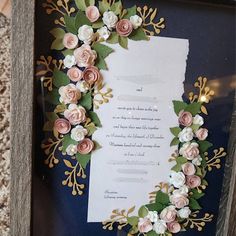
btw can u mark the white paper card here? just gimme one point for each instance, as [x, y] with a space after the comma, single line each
[135, 136]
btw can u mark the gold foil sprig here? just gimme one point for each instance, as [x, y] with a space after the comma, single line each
[214, 162]
[100, 96]
[164, 187]
[149, 16]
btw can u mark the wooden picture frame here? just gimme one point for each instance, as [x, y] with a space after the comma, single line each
[22, 131]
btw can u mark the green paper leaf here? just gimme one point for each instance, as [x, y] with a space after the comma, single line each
[198, 171]
[177, 168]
[152, 233]
[133, 220]
[70, 24]
[155, 207]
[91, 128]
[138, 34]
[58, 33]
[130, 12]
[53, 97]
[97, 25]
[179, 106]
[162, 198]
[94, 118]
[48, 126]
[113, 39]
[100, 63]
[142, 212]
[97, 145]
[57, 44]
[117, 7]
[86, 101]
[195, 127]
[194, 205]
[102, 50]
[175, 131]
[60, 78]
[51, 116]
[196, 195]
[204, 146]
[67, 52]
[194, 108]
[103, 6]
[90, 2]
[181, 160]
[80, 20]
[67, 140]
[83, 159]
[174, 142]
[204, 182]
[81, 4]
[123, 41]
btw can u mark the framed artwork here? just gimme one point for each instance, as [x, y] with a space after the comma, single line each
[123, 118]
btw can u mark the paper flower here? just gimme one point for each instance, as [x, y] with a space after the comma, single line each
[189, 150]
[124, 27]
[75, 114]
[201, 134]
[78, 133]
[62, 126]
[69, 61]
[188, 168]
[198, 120]
[110, 19]
[75, 74]
[160, 227]
[185, 118]
[70, 41]
[174, 227]
[184, 212]
[168, 214]
[85, 146]
[144, 225]
[69, 94]
[177, 179]
[193, 181]
[71, 150]
[92, 13]
[86, 34]
[136, 21]
[103, 33]
[186, 135]
[91, 75]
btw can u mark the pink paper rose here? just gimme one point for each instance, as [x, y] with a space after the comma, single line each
[202, 134]
[70, 41]
[188, 168]
[185, 118]
[75, 74]
[179, 200]
[92, 13]
[85, 56]
[168, 214]
[174, 227]
[85, 146]
[124, 27]
[92, 75]
[144, 225]
[69, 94]
[189, 150]
[62, 126]
[193, 181]
[75, 114]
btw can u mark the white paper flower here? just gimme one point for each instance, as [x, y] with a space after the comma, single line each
[152, 216]
[189, 150]
[198, 120]
[186, 135]
[78, 133]
[177, 179]
[71, 150]
[83, 86]
[197, 161]
[184, 213]
[104, 33]
[86, 34]
[136, 21]
[183, 190]
[69, 61]
[160, 227]
[110, 19]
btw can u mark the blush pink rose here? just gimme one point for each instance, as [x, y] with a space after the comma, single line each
[85, 56]
[70, 41]
[144, 225]
[179, 200]
[189, 150]
[124, 27]
[202, 134]
[62, 126]
[174, 227]
[188, 168]
[91, 75]
[85, 146]
[92, 13]
[168, 214]
[193, 181]
[75, 74]
[69, 94]
[185, 118]
[75, 114]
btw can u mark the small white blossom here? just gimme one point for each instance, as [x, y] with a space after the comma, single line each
[197, 161]
[152, 216]
[183, 190]
[69, 61]
[160, 227]
[86, 34]
[104, 33]
[136, 21]
[110, 19]
[177, 179]
[78, 133]
[186, 135]
[198, 120]
[83, 86]
[184, 213]
[71, 150]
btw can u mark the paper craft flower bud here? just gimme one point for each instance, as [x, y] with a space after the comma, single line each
[185, 118]
[193, 181]
[189, 150]
[91, 75]
[75, 114]
[168, 214]
[85, 56]
[85, 146]
[179, 200]
[92, 13]
[62, 126]
[78, 133]
[124, 27]
[110, 19]
[160, 227]
[71, 150]
[174, 227]
[75, 74]
[188, 168]
[198, 120]
[197, 161]
[69, 94]
[144, 225]
[86, 34]
[184, 213]
[104, 33]
[202, 134]
[136, 21]
[70, 41]
[69, 61]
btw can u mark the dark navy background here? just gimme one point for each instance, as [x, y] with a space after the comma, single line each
[211, 34]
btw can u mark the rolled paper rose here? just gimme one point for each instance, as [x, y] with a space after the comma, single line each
[70, 41]
[85, 56]
[75, 114]
[62, 126]
[174, 227]
[179, 200]
[124, 27]
[177, 179]
[198, 120]
[202, 134]
[188, 168]
[75, 74]
[110, 19]
[91, 75]
[160, 227]
[92, 13]
[193, 181]
[69, 94]
[144, 225]
[86, 34]
[189, 150]
[78, 133]
[168, 214]
[184, 213]
[152, 216]
[85, 146]
[186, 135]
[185, 118]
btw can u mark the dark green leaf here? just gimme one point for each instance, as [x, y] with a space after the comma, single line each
[194, 108]
[117, 7]
[51, 116]
[113, 39]
[97, 145]
[70, 24]
[174, 142]
[204, 182]
[204, 145]
[86, 101]
[142, 212]
[57, 44]
[90, 2]
[162, 198]
[67, 140]
[91, 128]
[198, 171]
[133, 220]
[100, 63]
[83, 159]
[94, 118]
[130, 12]
[60, 78]
[98, 24]
[195, 127]
[138, 34]
[181, 160]
[177, 168]
[102, 50]
[53, 97]
[81, 4]
[58, 33]
[194, 205]
[67, 52]
[103, 6]
[196, 195]
[179, 106]
[80, 20]
[175, 131]
[48, 126]
[123, 41]
[152, 233]
[155, 207]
